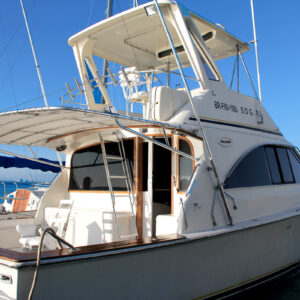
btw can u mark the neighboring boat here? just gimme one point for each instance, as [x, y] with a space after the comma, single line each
[198, 197]
[21, 200]
[24, 199]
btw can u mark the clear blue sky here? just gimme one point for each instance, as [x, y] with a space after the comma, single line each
[53, 22]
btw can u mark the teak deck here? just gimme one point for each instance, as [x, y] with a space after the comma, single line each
[16, 256]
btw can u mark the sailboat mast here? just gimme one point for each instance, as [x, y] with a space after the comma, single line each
[256, 54]
[34, 56]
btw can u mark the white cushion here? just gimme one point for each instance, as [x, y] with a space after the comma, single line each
[166, 102]
[27, 230]
[30, 242]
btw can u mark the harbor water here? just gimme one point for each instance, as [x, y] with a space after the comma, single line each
[286, 287]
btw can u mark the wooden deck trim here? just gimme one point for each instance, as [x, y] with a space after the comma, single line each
[16, 256]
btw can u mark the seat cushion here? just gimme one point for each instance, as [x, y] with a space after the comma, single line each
[29, 230]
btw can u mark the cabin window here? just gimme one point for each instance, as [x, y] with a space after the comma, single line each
[88, 172]
[252, 170]
[265, 165]
[185, 165]
[273, 165]
[285, 165]
[210, 75]
[295, 162]
[209, 69]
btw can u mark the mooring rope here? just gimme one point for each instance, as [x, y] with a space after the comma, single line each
[60, 241]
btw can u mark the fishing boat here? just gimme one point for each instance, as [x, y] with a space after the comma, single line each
[195, 197]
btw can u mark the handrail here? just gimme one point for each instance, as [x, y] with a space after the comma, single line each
[4, 189]
[145, 137]
[79, 88]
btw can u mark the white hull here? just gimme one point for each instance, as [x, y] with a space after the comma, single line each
[185, 270]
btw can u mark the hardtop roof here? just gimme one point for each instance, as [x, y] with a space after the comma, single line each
[132, 38]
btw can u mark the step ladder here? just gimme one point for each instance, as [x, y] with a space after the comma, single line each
[125, 176]
[62, 216]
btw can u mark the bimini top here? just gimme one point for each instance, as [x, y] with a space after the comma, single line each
[46, 126]
[134, 38]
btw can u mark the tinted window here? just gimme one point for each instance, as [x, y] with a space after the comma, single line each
[295, 162]
[273, 166]
[252, 170]
[285, 165]
[185, 165]
[208, 68]
[87, 167]
[210, 75]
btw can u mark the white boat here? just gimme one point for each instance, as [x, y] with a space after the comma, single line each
[22, 200]
[25, 199]
[198, 197]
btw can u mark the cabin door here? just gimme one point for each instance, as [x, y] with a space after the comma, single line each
[161, 182]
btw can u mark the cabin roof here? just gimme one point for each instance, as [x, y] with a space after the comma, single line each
[45, 126]
[133, 38]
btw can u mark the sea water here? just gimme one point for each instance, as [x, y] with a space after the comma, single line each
[286, 287]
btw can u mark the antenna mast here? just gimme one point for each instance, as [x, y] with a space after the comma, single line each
[255, 44]
[34, 56]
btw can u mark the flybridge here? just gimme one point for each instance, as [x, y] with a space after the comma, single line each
[134, 38]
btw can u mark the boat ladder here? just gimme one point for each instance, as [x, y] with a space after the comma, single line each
[125, 176]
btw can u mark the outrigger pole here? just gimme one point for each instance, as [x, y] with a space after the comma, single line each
[34, 56]
[256, 54]
[105, 62]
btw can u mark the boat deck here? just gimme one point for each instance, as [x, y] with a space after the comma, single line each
[17, 215]
[99, 249]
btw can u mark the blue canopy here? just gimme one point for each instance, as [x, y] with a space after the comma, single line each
[16, 162]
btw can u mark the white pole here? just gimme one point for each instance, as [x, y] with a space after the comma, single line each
[34, 56]
[255, 44]
[105, 62]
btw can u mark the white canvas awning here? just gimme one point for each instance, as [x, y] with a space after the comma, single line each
[40, 126]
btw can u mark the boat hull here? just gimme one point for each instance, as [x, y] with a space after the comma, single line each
[191, 269]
